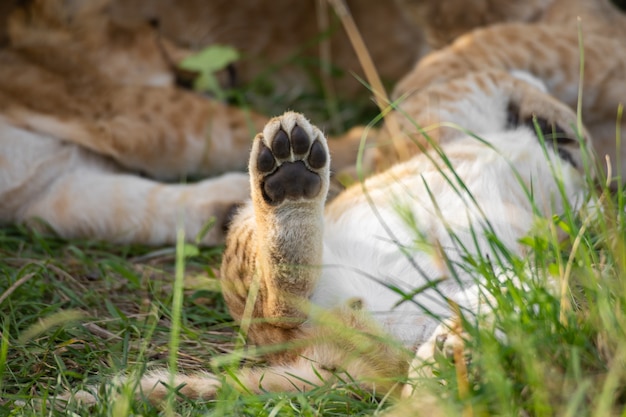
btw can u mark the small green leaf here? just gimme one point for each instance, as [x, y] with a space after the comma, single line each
[554, 269]
[207, 62]
[212, 58]
[206, 82]
[563, 226]
[190, 250]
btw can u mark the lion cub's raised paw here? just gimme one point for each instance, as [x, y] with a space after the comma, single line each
[289, 179]
[289, 162]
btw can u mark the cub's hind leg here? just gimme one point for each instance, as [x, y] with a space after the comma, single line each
[274, 248]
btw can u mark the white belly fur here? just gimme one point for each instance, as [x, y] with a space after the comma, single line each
[362, 255]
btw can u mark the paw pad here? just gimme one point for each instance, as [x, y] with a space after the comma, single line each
[265, 161]
[280, 145]
[290, 164]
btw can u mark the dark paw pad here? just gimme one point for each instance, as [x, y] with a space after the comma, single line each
[289, 164]
[292, 180]
[299, 140]
[280, 145]
[317, 157]
[265, 160]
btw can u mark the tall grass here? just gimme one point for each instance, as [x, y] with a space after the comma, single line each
[554, 343]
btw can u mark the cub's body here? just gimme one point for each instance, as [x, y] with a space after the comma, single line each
[417, 224]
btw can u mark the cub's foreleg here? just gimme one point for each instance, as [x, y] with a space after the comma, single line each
[89, 203]
[274, 248]
[483, 102]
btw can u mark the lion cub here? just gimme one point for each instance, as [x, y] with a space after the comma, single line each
[323, 280]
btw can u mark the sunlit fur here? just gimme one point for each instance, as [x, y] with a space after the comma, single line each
[91, 123]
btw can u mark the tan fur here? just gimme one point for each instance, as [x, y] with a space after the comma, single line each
[77, 79]
[546, 46]
[444, 21]
[86, 104]
[428, 107]
[77, 85]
